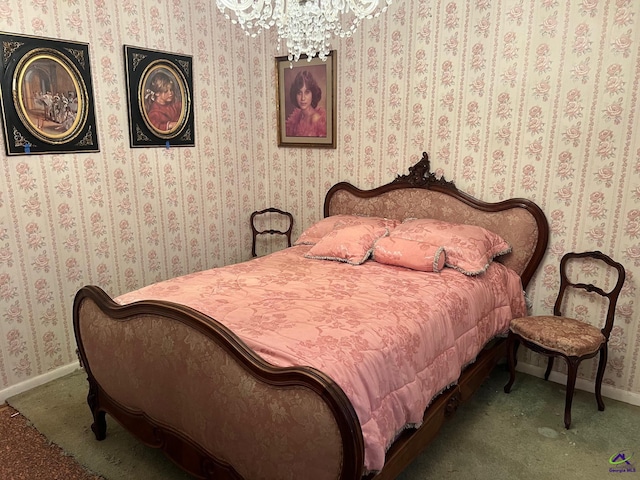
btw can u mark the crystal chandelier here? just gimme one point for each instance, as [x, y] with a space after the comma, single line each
[305, 25]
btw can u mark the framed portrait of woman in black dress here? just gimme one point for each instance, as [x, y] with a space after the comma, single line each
[306, 102]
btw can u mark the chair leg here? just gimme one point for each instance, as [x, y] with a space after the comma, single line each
[601, 367]
[572, 364]
[549, 367]
[512, 358]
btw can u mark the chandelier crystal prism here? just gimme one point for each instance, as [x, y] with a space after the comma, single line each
[306, 26]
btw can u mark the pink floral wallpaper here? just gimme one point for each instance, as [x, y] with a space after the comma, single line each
[535, 99]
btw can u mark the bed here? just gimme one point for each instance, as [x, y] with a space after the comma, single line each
[295, 365]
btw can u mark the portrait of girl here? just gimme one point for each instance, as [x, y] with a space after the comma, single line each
[163, 101]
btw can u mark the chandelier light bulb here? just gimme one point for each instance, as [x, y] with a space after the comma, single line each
[305, 26]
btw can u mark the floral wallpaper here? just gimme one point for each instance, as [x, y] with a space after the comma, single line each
[510, 98]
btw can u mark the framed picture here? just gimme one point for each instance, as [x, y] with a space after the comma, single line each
[306, 102]
[47, 96]
[160, 87]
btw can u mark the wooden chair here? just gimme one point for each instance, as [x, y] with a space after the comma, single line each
[256, 232]
[570, 338]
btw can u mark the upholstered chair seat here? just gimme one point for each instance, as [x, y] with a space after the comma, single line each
[560, 334]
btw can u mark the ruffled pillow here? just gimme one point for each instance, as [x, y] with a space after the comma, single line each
[409, 254]
[351, 245]
[469, 248]
[315, 232]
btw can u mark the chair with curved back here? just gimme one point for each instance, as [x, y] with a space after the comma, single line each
[571, 338]
[287, 217]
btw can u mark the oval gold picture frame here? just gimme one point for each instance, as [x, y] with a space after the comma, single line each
[50, 96]
[163, 99]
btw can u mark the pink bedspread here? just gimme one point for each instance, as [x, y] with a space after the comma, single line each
[391, 337]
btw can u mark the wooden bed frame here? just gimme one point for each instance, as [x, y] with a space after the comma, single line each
[161, 423]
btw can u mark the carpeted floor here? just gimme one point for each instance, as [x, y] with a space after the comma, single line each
[494, 436]
[521, 435]
[26, 454]
[60, 412]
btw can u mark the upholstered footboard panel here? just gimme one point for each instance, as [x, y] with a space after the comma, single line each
[184, 380]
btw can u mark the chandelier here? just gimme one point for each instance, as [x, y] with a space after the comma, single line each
[306, 26]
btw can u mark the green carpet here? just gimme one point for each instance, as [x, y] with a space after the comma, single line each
[60, 412]
[494, 436]
[521, 435]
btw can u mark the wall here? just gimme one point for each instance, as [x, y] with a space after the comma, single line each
[510, 98]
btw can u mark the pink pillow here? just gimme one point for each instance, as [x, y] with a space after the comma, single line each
[352, 245]
[409, 254]
[315, 232]
[469, 248]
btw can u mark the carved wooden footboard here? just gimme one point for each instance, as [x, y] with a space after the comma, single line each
[182, 382]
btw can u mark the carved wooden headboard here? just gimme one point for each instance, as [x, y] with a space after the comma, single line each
[419, 194]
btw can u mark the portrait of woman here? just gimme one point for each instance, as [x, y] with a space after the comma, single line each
[163, 101]
[308, 119]
[306, 102]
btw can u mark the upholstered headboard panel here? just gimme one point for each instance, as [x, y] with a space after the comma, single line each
[420, 195]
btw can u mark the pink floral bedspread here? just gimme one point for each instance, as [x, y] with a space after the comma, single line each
[391, 337]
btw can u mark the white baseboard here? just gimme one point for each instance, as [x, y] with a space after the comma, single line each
[581, 384]
[37, 381]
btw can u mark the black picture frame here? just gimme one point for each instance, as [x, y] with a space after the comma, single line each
[47, 96]
[323, 74]
[156, 120]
